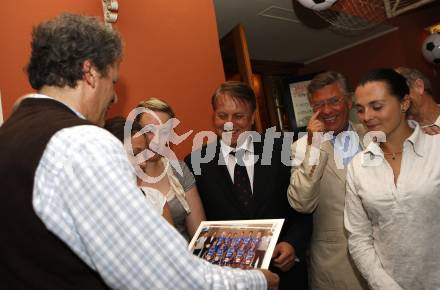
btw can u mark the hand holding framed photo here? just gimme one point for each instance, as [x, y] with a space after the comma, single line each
[244, 244]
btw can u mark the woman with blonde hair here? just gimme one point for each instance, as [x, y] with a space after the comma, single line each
[138, 143]
[178, 187]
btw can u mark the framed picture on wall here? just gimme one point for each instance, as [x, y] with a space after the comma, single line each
[296, 101]
[244, 244]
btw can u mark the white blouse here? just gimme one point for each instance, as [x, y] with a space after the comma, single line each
[155, 198]
[394, 229]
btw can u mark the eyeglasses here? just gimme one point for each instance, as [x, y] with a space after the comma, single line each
[333, 102]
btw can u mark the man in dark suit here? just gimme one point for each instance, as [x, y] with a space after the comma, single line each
[246, 179]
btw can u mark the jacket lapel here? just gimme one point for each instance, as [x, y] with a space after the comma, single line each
[327, 146]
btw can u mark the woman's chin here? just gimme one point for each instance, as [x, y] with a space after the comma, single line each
[155, 157]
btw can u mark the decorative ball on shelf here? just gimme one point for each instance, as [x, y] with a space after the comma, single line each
[317, 5]
[431, 48]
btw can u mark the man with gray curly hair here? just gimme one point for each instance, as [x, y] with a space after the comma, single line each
[423, 107]
[71, 214]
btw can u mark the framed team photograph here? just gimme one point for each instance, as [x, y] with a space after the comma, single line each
[244, 244]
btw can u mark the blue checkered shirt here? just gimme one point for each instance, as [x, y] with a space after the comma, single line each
[85, 193]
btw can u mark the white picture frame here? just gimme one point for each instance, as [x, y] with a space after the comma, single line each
[244, 244]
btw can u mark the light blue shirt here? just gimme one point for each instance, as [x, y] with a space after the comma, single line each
[342, 146]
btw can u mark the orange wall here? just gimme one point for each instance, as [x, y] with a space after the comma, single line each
[171, 52]
[399, 48]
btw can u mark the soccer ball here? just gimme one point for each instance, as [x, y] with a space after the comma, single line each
[431, 48]
[317, 5]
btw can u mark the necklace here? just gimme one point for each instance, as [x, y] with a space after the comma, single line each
[393, 154]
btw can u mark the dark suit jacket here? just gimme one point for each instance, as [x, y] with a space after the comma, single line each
[269, 200]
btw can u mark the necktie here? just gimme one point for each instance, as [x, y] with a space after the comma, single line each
[342, 147]
[242, 183]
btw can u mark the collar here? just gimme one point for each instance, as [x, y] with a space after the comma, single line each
[347, 129]
[41, 96]
[437, 122]
[414, 141]
[247, 145]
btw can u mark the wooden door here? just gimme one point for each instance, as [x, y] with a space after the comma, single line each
[235, 55]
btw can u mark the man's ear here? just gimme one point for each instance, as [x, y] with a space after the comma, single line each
[89, 73]
[405, 103]
[419, 86]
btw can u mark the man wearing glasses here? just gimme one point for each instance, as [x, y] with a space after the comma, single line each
[317, 185]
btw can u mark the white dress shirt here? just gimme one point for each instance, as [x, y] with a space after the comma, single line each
[394, 229]
[154, 197]
[85, 193]
[248, 158]
[436, 123]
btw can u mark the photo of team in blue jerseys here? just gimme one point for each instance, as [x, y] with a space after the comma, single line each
[237, 248]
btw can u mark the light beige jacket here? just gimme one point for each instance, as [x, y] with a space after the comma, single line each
[320, 189]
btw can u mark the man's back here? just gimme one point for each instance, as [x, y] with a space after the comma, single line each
[34, 258]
